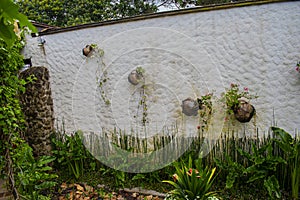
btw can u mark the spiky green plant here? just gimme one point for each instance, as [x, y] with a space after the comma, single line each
[192, 183]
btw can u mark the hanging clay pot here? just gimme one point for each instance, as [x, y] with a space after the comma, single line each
[134, 77]
[87, 50]
[190, 107]
[245, 111]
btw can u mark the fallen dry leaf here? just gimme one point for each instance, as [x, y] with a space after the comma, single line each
[64, 186]
[134, 195]
[61, 198]
[149, 197]
[79, 187]
[88, 188]
[71, 195]
[79, 192]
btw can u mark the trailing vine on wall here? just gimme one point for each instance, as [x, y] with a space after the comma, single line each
[93, 51]
[102, 80]
[143, 104]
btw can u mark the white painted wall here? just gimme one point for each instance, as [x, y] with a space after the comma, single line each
[184, 56]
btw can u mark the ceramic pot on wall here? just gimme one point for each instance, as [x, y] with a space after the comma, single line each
[134, 77]
[86, 51]
[245, 111]
[190, 107]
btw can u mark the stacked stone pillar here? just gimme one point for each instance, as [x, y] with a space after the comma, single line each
[37, 105]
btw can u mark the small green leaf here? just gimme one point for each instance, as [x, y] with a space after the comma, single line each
[272, 186]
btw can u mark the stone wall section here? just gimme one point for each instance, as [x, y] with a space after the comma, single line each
[37, 105]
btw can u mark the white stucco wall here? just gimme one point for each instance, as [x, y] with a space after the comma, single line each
[184, 56]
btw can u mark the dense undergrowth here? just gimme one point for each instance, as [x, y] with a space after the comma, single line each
[245, 168]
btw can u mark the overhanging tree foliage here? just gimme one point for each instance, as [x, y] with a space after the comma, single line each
[8, 16]
[74, 12]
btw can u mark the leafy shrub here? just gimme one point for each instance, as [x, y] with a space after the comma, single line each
[291, 149]
[71, 154]
[261, 168]
[33, 174]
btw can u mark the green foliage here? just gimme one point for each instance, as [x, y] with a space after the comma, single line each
[8, 15]
[253, 165]
[74, 12]
[192, 183]
[71, 154]
[18, 163]
[33, 174]
[25, 174]
[263, 164]
[140, 70]
[291, 149]
[10, 110]
[11, 118]
[234, 170]
[232, 162]
[118, 176]
[272, 186]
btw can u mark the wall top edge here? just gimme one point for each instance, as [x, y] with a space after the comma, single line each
[55, 30]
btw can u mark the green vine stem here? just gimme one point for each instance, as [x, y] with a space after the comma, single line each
[101, 80]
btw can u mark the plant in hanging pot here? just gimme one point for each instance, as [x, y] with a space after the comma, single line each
[238, 103]
[86, 51]
[136, 76]
[90, 48]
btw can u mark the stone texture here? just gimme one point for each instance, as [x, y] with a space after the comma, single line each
[184, 56]
[37, 106]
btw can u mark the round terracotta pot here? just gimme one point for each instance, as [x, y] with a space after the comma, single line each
[190, 107]
[244, 112]
[134, 78]
[87, 50]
